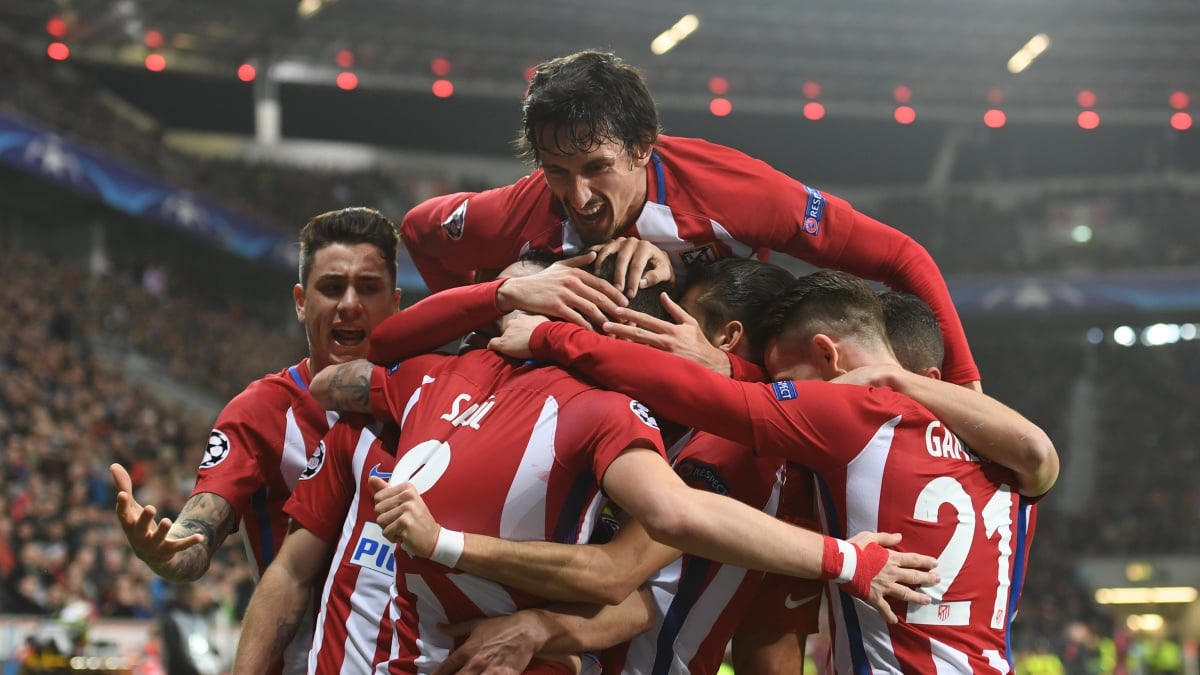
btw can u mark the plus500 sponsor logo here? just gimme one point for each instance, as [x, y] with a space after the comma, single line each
[373, 551]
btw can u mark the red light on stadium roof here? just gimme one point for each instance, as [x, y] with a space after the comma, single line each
[814, 111]
[1088, 119]
[995, 96]
[443, 88]
[56, 26]
[344, 58]
[153, 39]
[902, 94]
[1179, 100]
[246, 72]
[155, 63]
[905, 114]
[720, 107]
[718, 85]
[347, 81]
[58, 51]
[811, 89]
[994, 118]
[1086, 99]
[440, 67]
[1181, 121]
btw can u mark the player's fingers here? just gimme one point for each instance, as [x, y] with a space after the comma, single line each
[121, 478]
[452, 664]
[884, 609]
[187, 542]
[621, 277]
[460, 629]
[376, 483]
[581, 260]
[160, 533]
[643, 320]
[146, 519]
[634, 334]
[635, 269]
[915, 561]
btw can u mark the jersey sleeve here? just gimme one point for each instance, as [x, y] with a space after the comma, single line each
[826, 231]
[242, 448]
[674, 387]
[426, 230]
[325, 491]
[393, 389]
[608, 424]
[434, 321]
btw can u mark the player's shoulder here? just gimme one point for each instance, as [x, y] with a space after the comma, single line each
[270, 394]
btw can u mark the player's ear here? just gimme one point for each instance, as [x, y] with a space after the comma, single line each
[396, 299]
[932, 372]
[298, 295]
[827, 356]
[730, 336]
[641, 154]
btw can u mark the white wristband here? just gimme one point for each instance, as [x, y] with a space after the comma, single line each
[849, 561]
[448, 548]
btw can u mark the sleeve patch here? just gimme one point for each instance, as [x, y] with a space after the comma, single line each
[453, 225]
[217, 450]
[643, 414]
[315, 462]
[814, 211]
[704, 476]
[785, 390]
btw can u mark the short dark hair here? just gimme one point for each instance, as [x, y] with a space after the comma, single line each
[828, 301]
[353, 225]
[594, 97]
[648, 300]
[913, 331]
[737, 289]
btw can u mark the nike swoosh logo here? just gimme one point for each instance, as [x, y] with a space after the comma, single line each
[376, 472]
[789, 603]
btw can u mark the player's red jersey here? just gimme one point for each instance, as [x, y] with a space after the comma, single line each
[886, 464]
[333, 501]
[704, 201]
[258, 448]
[496, 448]
[699, 603]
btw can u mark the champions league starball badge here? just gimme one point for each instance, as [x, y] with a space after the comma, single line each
[217, 450]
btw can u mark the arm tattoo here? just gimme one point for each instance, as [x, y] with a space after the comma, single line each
[285, 631]
[206, 514]
[350, 387]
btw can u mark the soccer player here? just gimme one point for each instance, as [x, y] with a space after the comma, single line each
[262, 441]
[912, 330]
[885, 462]
[603, 170]
[333, 514]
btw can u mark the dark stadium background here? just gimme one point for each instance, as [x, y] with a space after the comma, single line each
[1061, 245]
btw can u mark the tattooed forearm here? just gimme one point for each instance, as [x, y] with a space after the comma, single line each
[350, 387]
[285, 631]
[205, 514]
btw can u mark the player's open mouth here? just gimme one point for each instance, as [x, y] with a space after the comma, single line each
[349, 337]
[592, 214]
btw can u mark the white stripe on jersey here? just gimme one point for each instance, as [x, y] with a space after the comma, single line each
[662, 584]
[416, 396]
[524, 515]
[947, 660]
[489, 596]
[736, 247]
[371, 589]
[433, 646]
[294, 455]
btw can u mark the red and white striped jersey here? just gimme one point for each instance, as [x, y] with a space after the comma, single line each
[700, 603]
[502, 449]
[703, 202]
[333, 501]
[259, 446]
[885, 464]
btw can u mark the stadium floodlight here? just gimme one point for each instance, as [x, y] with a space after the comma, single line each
[1154, 595]
[672, 36]
[1026, 55]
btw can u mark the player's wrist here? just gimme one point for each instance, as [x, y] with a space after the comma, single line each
[852, 567]
[448, 547]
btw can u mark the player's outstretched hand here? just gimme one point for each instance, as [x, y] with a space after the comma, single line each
[404, 518]
[503, 644]
[149, 539]
[683, 338]
[633, 269]
[565, 291]
[514, 341]
[900, 576]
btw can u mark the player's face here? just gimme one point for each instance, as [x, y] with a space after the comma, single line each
[349, 292]
[602, 189]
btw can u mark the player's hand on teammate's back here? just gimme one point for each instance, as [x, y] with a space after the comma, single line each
[404, 518]
[874, 375]
[899, 577]
[565, 291]
[514, 341]
[633, 270]
[148, 538]
[502, 644]
[683, 338]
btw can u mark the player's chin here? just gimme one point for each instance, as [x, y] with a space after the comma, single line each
[340, 353]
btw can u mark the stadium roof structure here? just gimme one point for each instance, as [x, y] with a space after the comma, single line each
[951, 55]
